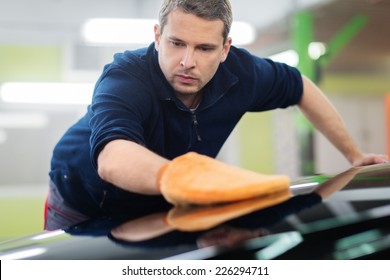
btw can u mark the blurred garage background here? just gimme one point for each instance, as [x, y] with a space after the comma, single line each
[343, 45]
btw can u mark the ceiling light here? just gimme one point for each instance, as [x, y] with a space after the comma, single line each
[242, 33]
[47, 93]
[289, 57]
[316, 50]
[118, 31]
[140, 31]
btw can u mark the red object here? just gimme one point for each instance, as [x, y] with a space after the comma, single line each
[46, 209]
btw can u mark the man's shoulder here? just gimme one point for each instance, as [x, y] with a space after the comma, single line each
[130, 58]
[241, 56]
[135, 63]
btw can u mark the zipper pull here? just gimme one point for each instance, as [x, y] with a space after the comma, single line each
[103, 199]
[196, 124]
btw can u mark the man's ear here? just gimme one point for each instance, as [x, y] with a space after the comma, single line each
[157, 36]
[226, 49]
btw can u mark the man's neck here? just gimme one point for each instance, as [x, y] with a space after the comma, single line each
[191, 101]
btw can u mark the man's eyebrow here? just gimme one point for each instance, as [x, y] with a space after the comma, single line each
[173, 38]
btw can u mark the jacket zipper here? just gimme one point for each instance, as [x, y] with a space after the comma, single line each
[103, 199]
[194, 121]
[196, 126]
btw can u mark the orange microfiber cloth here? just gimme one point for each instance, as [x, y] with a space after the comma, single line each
[201, 180]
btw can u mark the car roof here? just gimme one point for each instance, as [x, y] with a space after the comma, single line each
[342, 211]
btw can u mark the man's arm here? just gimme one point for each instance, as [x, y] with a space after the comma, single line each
[130, 166]
[324, 117]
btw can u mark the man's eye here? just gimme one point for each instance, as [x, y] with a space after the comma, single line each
[205, 49]
[177, 44]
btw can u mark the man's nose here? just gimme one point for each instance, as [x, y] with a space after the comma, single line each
[188, 60]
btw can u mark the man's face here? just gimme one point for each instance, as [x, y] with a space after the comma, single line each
[190, 50]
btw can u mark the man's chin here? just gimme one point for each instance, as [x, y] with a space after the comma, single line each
[186, 91]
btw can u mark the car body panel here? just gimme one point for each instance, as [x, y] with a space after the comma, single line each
[342, 216]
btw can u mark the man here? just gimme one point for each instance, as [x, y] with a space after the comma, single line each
[183, 93]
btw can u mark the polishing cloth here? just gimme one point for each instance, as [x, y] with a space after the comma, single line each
[201, 180]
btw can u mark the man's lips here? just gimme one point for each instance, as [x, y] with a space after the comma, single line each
[185, 79]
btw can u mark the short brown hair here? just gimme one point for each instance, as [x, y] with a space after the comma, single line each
[207, 9]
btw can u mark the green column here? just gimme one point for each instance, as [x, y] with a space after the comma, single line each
[302, 36]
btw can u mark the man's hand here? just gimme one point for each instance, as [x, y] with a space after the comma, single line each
[367, 159]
